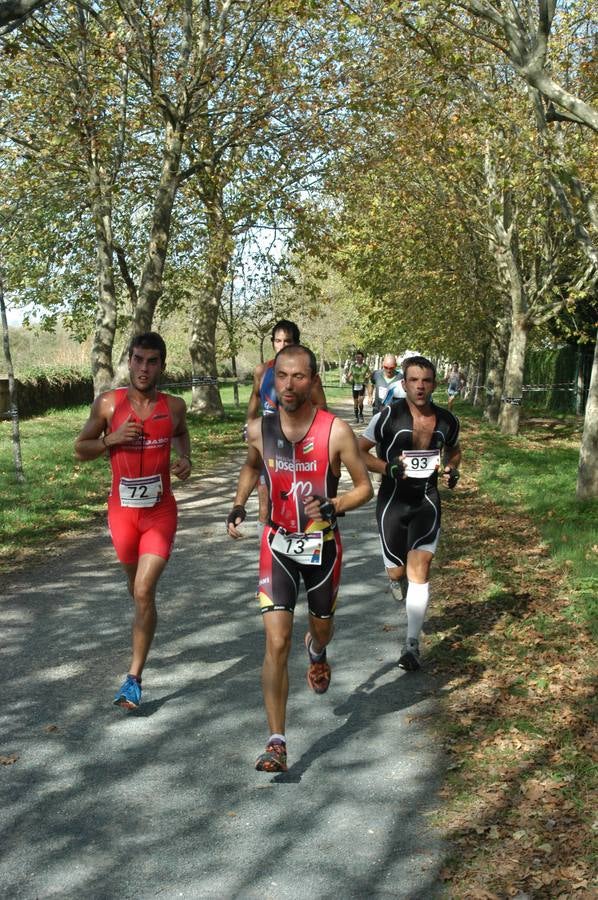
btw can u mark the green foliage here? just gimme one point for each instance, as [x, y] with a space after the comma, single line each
[536, 473]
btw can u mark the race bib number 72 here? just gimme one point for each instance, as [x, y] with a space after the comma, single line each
[140, 492]
[421, 463]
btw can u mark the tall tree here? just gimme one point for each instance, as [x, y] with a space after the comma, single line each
[522, 32]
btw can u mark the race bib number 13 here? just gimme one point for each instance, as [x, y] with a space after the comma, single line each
[140, 491]
[305, 548]
[421, 463]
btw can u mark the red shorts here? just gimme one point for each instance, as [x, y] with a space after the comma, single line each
[138, 531]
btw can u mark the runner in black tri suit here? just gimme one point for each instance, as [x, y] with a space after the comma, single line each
[411, 437]
[300, 449]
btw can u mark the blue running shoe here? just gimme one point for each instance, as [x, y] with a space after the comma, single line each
[129, 695]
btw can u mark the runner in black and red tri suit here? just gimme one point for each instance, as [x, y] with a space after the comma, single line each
[415, 440]
[137, 426]
[294, 472]
[300, 449]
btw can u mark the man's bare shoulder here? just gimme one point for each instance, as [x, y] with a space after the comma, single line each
[106, 401]
[102, 409]
[254, 430]
[341, 430]
[260, 369]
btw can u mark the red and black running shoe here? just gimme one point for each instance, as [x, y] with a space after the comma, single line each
[318, 671]
[273, 759]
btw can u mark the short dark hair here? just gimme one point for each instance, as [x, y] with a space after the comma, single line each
[422, 361]
[149, 340]
[292, 348]
[360, 353]
[286, 325]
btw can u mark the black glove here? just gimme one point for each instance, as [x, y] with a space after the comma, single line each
[453, 476]
[327, 510]
[395, 468]
[237, 512]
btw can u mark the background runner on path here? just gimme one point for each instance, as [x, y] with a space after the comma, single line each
[359, 376]
[387, 383]
[263, 395]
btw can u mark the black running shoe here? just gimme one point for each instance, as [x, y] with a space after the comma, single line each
[409, 658]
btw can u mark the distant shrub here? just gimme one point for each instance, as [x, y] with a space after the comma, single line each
[59, 388]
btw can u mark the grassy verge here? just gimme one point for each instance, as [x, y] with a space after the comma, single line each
[510, 638]
[62, 497]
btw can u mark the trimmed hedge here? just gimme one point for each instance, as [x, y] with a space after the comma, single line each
[58, 389]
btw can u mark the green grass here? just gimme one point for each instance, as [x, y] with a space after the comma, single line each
[62, 496]
[535, 473]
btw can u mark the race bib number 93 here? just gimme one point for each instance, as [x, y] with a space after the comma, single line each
[421, 463]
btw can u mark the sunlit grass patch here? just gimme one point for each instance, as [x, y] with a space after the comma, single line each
[63, 496]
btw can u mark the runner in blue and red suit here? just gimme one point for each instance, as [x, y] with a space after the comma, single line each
[302, 448]
[263, 397]
[411, 436]
[136, 427]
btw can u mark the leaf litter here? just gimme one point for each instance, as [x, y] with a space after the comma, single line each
[516, 699]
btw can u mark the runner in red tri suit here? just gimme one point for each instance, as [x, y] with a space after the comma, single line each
[300, 449]
[137, 426]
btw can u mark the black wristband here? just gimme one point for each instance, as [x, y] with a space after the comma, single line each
[237, 512]
[327, 510]
[453, 476]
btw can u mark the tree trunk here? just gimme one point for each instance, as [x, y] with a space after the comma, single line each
[202, 346]
[151, 284]
[202, 349]
[479, 368]
[504, 245]
[100, 200]
[233, 368]
[497, 360]
[587, 472]
[510, 409]
[12, 390]
[105, 325]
